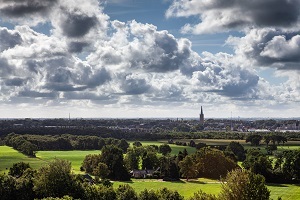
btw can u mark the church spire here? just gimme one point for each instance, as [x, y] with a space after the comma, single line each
[201, 117]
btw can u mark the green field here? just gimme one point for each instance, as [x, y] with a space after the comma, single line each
[184, 188]
[9, 156]
[75, 157]
[187, 189]
[175, 148]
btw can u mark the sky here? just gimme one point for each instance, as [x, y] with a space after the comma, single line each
[149, 58]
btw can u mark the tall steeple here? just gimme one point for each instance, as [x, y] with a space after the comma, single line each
[201, 117]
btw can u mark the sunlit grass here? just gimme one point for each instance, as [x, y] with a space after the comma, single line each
[175, 148]
[184, 188]
[75, 157]
[9, 156]
[187, 189]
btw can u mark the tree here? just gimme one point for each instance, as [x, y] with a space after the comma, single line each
[148, 195]
[7, 187]
[99, 192]
[244, 185]
[150, 160]
[24, 185]
[112, 156]
[200, 145]
[291, 165]
[90, 162]
[101, 170]
[168, 168]
[254, 139]
[18, 169]
[137, 144]
[267, 139]
[166, 194]
[123, 145]
[55, 180]
[192, 143]
[164, 149]
[237, 149]
[258, 163]
[132, 158]
[203, 196]
[125, 192]
[212, 163]
[188, 167]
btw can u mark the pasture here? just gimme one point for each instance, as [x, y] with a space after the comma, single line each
[9, 156]
[175, 148]
[75, 157]
[187, 189]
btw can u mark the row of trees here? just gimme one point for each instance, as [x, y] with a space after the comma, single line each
[55, 181]
[255, 139]
[29, 144]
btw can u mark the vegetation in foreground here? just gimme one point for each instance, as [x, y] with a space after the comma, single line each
[55, 180]
[118, 158]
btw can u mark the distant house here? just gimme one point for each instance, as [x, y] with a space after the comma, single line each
[88, 178]
[146, 173]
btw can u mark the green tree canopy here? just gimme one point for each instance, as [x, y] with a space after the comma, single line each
[237, 149]
[244, 185]
[212, 163]
[164, 149]
[188, 168]
[258, 163]
[55, 180]
[18, 169]
[112, 156]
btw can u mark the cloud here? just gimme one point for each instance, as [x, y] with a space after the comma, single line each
[77, 25]
[219, 16]
[268, 47]
[35, 94]
[26, 11]
[9, 39]
[141, 47]
[15, 8]
[87, 59]
[220, 75]
[77, 47]
[133, 85]
[15, 82]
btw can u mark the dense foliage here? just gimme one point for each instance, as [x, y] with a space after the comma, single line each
[56, 182]
[29, 144]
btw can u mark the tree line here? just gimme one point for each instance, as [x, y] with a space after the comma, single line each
[55, 181]
[29, 144]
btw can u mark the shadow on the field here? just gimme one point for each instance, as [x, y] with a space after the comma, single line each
[276, 185]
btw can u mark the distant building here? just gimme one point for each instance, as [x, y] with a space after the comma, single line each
[201, 117]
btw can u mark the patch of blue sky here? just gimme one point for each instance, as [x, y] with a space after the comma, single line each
[269, 75]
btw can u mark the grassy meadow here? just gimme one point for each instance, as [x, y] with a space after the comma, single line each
[175, 148]
[187, 189]
[9, 156]
[184, 188]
